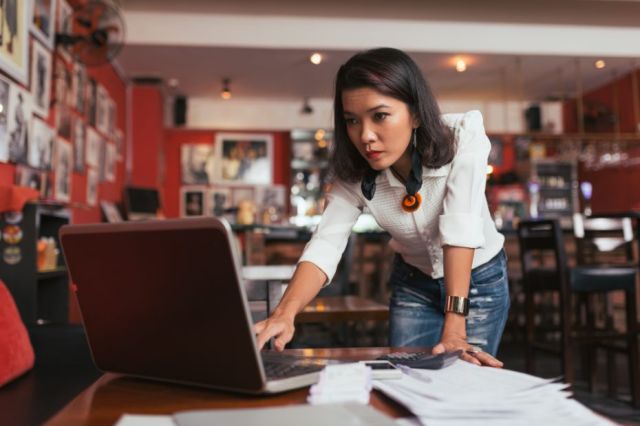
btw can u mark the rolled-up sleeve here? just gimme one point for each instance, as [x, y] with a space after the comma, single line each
[461, 223]
[332, 234]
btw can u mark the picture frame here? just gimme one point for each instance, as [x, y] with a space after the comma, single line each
[193, 201]
[62, 170]
[14, 48]
[41, 79]
[78, 87]
[19, 123]
[62, 82]
[43, 19]
[29, 177]
[110, 157]
[41, 144]
[93, 141]
[197, 164]
[92, 187]
[5, 100]
[219, 200]
[244, 158]
[242, 193]
[64, 25]
[79, 138]
[111, 212]
[63, 121]
[102, 106]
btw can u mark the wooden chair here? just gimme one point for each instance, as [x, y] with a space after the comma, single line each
[600, 241]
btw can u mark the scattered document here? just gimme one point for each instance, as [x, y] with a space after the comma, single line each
[307, 415]
[466, 394]
[342, 383]
[145, 420]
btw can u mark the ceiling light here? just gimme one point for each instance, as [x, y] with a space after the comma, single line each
[599, 64]
[226, 91]
[306, 107]
[461, 65]
[319, 135]
[316, 58]
[173, 83]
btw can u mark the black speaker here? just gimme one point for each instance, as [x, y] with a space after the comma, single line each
[180, 110]
[532, 116]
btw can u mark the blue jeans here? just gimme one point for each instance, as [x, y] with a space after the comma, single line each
[417, 305]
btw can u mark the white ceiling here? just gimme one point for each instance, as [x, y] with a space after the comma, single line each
[285, 73]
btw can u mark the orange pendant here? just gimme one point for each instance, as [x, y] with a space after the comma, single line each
[411, 203]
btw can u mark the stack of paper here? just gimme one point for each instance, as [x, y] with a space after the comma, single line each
[342, 383]
[465, 394]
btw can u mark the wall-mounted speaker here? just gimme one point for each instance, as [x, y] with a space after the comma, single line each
[180, 111]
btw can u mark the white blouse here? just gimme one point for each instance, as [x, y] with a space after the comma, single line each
[454, 209]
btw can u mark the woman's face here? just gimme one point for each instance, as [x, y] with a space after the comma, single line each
[379, 126]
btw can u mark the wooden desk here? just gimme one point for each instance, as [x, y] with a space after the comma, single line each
[343, 308]
[113, 395]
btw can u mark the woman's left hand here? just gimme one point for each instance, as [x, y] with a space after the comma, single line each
[453, 340]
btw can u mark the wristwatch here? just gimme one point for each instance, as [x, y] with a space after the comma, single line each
[457, 305]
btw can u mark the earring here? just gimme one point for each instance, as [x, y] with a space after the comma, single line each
[411, 202]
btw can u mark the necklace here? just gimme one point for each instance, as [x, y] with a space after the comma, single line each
[412, 200]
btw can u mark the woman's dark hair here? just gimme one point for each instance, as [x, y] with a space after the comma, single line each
[392, 73]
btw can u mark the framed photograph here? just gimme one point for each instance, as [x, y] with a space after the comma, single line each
[62, 82]
[119, 141]
[64, 25]
[78, 87]
[14, 39]
[20, 108]
[41, 144]
[219, 200]
[79, 137]
[198, 164]
[40, 79]
[63, 163]
[242, 193]
[92, 186]
[93, 142]
[27, 176]
[244, 158]
[91, 95]
[43, 21]
[110, 157]
[63, 121]
[192, 201]
[102, 106]
[112, 111]
[111, 212]
[5, 99]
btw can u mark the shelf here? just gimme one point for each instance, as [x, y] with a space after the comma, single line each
[60, 271]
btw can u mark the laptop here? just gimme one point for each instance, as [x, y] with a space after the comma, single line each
[164, 300]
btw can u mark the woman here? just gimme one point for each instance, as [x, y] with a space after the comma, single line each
[422, 176]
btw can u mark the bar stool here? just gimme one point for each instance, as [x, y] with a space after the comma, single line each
[605, 263]
[595, 236]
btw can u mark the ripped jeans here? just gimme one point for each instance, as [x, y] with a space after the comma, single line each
[417, 303]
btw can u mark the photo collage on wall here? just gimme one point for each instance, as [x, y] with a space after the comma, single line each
[56, 119]
[231, 178]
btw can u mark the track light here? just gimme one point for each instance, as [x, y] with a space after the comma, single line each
[226, 91]
[306, 107]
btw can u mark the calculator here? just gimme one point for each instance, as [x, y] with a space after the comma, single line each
[424, 360]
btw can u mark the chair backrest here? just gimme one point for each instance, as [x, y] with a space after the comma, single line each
[603, 239]
[541, 241]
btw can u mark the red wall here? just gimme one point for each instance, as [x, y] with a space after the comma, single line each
[147, 135]
[614, 188]
[175, 138]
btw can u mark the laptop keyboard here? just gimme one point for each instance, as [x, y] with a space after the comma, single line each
[278, 370]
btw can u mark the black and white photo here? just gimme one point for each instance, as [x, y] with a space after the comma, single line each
[5, 99]
[78, 87]
[62, 170]
[219, 200]
[19, 123]
[29, 177]
[197, 164]
[43, 21]
[92, 186]
[93, 141]
[40, 79]
[102, 109]
[110, 157]
[192, 201]
[91, 95]
[63, 121]
[79, 136]
[14, 39]
[64, 25]
[41, 144]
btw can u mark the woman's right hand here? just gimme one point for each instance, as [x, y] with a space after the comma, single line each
[277, 325]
